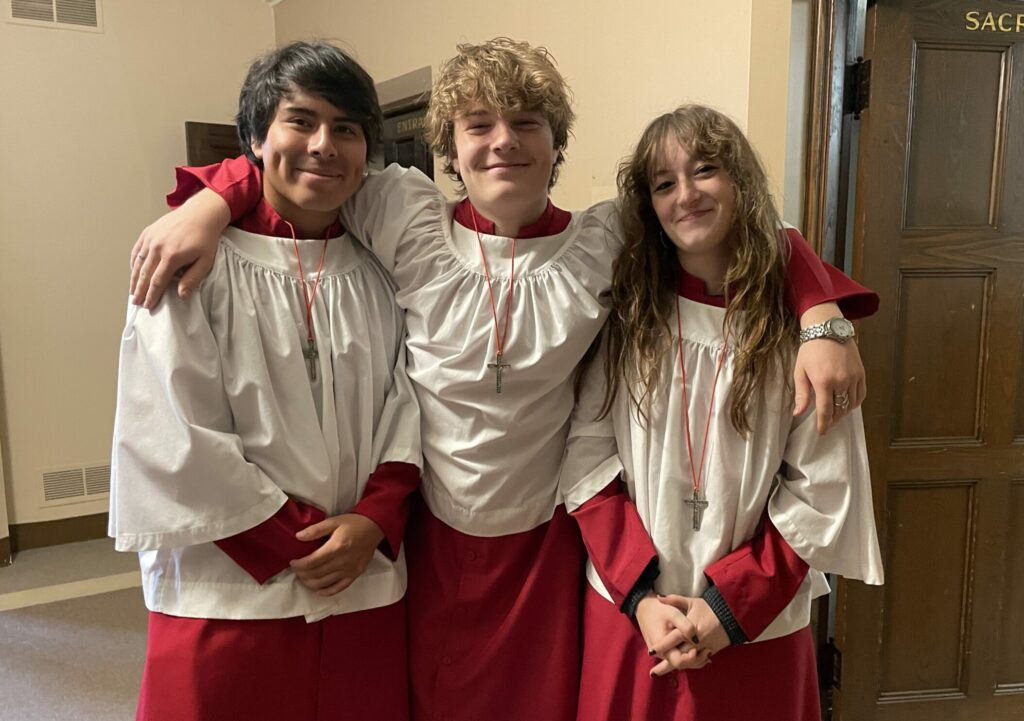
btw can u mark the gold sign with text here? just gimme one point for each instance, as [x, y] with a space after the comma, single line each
[405, 126]
[994, 22]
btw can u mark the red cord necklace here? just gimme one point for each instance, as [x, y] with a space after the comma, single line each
[498, 366]
[309, 296]
[698, 502]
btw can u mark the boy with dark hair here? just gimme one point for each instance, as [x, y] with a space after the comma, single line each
[267, 438]
[317, 68]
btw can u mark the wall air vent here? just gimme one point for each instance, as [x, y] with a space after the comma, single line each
[70, 14]
[61, 485]
[97, 480]
[75, 484]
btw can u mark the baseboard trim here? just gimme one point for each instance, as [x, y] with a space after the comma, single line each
[25, 536]
[5, 552]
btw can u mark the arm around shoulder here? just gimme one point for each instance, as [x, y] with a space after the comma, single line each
[184, 241]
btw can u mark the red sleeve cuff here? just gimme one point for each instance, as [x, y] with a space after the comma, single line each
[617, 542]
[759, 579]
[385, 501]
[810, 282]
[854, 300]
[265, 550]
[237, 180]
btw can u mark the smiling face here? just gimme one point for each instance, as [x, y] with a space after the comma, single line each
[500, 75]
[505, 161]
[313, 160]
[695, 201]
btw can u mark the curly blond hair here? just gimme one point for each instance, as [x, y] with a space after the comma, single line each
[763, 328]
[506, 75]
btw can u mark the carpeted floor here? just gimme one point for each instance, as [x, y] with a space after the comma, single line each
[69, 563]
[76, 660]
[72, 635]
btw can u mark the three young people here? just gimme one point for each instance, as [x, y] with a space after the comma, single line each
[503, 294]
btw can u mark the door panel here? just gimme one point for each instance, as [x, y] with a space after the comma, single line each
[936, 195]
[919, 563]
[1010, 666]
[947, 304]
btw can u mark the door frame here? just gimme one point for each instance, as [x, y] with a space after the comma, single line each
[829, 172]
[829, 186]
[6, 549]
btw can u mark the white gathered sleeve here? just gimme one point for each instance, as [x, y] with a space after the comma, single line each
[591, 458]
[822, 503]
[397, 436]
[393, 207]
[180, 474]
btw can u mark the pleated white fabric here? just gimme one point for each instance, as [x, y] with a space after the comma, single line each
[817, 489]
[491, 459]
[218, 423]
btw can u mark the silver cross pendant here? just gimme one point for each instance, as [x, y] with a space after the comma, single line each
[497, 366]
[699, 505]
[311, 355]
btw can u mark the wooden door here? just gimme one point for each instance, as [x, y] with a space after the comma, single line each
[404, 140]
[209, 143]
[939, 232]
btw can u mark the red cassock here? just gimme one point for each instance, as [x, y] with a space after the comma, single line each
[349, 667]
[494, 622]
[778, 677]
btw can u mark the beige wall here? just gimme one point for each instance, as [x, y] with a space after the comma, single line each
[625, 61]
[769, 86]
[90, 127]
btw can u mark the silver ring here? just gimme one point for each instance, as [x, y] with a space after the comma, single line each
[841, 400]
[140, 258]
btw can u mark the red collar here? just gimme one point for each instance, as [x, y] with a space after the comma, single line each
[692, 288]
[264, 220]
[551, 222]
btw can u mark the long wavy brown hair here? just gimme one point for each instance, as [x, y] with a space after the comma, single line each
[762, 328]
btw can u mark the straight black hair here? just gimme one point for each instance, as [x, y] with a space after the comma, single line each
[318, 68]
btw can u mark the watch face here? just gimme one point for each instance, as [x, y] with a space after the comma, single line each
[841, 327]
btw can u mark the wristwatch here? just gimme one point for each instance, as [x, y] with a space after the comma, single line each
[838, 329]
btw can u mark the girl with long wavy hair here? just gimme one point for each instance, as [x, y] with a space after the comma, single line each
[688, 404]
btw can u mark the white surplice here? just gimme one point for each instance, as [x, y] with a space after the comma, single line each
[817, 489]
[218, 422]
[491, 460]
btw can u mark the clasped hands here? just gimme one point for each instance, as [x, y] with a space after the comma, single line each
[683, 632]
[341, 559]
